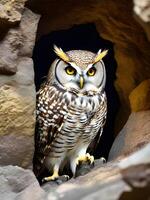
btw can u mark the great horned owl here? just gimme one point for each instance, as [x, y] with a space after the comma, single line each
[71, 111]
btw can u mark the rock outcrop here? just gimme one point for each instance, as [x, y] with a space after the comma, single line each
[142, 9]
[11, 11]
[17, 90]
[115, 181]
[142, 14]
[134, 135]
[17, 183]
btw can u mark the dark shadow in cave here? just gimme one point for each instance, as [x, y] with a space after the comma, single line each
[84, 37]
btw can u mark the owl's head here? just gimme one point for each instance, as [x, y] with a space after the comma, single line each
[79, 70]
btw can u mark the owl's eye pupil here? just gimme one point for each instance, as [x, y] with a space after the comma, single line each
[70, 70]
[91, 72]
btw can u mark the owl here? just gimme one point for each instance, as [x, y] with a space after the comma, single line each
[71, 111]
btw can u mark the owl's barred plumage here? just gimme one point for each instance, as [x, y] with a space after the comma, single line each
[69, 116]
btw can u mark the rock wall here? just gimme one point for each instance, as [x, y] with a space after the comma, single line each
[17, 90]
[11, 11]
[142, 9]
[17, 183]
[134, 135]
[140, 96]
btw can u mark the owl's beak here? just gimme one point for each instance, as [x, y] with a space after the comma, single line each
[81, 82]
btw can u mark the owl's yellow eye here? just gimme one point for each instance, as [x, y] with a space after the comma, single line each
[91, 71]
[70, 70]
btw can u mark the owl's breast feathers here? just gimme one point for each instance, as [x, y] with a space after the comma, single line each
[62, 111]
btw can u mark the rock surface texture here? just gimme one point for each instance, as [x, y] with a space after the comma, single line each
[125, 180]
[11, 11]
[17, 183]
[140, 97]
[17, 90]
[113, 181]
[142, 9]
[134, 135]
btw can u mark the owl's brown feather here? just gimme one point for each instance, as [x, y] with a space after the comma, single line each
[49, 121]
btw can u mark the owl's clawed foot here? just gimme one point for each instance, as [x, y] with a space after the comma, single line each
[103, 160]
[85, 158]
[55, 177]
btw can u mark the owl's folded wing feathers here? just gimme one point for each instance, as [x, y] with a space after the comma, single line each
[50, 116]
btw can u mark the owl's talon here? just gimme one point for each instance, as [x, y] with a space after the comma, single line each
[59, 180]
[49, 178]
[66, 177]
[54, 177]
[90, 158]
[103, 159]
[84, 158]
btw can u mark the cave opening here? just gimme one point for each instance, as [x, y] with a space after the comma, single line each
[83, 37]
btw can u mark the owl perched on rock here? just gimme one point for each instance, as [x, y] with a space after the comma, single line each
[71, 111]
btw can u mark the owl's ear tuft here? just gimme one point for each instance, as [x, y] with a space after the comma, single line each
[100, 55]
[60, 53]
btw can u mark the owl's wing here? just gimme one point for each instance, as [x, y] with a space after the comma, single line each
[101, 115]
[51, 108]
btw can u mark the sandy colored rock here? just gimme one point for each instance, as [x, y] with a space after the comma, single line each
[17, 105]
[140, 97]
[142, 14]
[16, 110]
[17, 93]
[11, 10]
[142, 9]
[134, 135]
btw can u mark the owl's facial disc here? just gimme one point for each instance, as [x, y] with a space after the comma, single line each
[71, 76]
